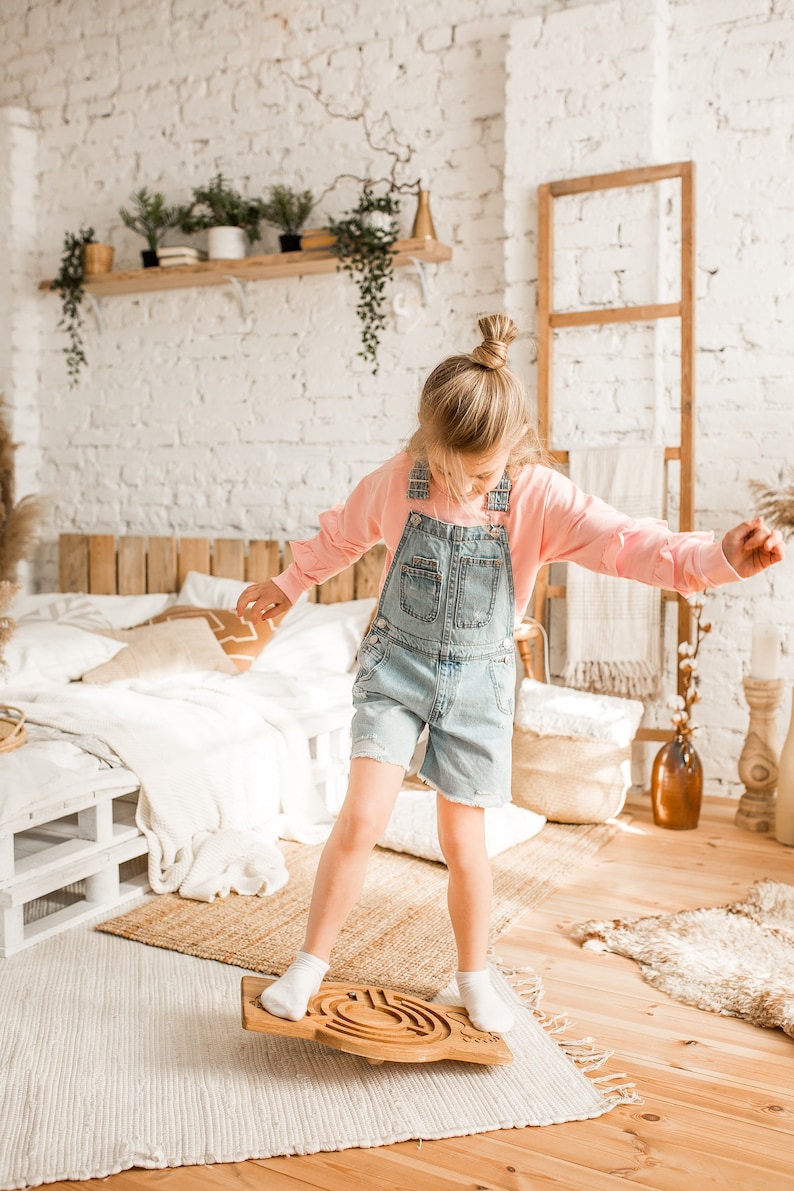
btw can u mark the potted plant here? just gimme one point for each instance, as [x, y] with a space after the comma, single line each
[288, 209]
[228, 217]
[364, 243]
[69, 284]
[151, 218]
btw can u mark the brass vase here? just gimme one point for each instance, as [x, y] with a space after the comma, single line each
[423, 221]
[677, 784]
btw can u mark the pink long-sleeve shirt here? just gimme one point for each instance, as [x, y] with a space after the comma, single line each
[549, 520]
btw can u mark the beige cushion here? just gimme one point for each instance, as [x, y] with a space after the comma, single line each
[160, 650]
[241, 640]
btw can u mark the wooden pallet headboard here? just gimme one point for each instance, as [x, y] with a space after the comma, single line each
[106, 565]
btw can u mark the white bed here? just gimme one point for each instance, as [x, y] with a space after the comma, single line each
[203, 770]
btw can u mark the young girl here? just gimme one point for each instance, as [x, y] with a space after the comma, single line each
[468, 512]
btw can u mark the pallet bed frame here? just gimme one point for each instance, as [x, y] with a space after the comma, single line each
[92, 839]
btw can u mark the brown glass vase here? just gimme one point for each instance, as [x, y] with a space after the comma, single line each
[677, 785]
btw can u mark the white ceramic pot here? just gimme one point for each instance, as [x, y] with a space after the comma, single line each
[226, 243]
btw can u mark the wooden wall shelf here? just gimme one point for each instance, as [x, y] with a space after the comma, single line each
[250, 268]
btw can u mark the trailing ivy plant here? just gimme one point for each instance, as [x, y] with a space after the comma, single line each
[69, 284]
[364, 243]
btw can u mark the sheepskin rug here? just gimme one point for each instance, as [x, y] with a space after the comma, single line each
[737, 960]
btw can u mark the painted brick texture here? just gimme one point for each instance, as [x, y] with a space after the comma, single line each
[189, 421]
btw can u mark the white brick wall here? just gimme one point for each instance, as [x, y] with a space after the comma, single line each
[672, 81]
[188, 421]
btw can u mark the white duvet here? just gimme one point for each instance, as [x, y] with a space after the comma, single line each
[224, 771]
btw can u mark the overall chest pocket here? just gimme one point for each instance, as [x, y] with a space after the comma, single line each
[478, 584]
[420, 589]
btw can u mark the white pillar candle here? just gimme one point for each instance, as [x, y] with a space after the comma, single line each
[765, 660]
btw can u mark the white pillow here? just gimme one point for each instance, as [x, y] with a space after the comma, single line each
[127, 611]
[85, 611]
[563, 711]
[51, 652]
[413, 826]
[210, 591]
[317, 637]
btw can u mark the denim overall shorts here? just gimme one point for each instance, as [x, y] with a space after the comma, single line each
[440, 653]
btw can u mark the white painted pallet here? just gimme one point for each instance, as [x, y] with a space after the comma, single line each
[87, 839]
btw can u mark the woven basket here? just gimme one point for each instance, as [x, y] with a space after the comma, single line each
[12, 728]
[570, 779]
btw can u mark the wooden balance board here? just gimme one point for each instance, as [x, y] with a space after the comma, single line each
[379, 1024]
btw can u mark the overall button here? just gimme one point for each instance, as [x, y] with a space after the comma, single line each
[374, 640]
[416, 518]
[495, 531]
[508, 641]
[383, 624]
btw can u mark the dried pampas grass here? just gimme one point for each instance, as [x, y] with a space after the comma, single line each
[19, 523]
[776, 505]
[7, 625]
[19, 530]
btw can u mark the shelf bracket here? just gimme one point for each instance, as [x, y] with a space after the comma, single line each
[96, 307]
[242, 297]
[420, 267]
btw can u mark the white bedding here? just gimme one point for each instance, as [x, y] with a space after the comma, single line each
[224, 770]
[53, 770]
[223, 760]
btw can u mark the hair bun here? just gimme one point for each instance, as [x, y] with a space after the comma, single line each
[498, 332]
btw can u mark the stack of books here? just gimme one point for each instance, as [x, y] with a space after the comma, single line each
[180, 254]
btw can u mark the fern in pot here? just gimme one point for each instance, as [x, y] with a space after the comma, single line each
[151, 218]
[288, 210]
[231, 221]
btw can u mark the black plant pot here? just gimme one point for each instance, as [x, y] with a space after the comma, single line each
[289, 243]
[149, 258]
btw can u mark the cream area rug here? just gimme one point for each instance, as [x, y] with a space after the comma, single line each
[737, 960]
[117, 1056]
[398, 934]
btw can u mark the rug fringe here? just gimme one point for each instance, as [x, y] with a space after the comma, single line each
[616, 1088]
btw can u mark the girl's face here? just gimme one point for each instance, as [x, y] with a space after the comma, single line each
[478, 473]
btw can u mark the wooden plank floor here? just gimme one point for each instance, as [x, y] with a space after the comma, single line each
[718, 1093]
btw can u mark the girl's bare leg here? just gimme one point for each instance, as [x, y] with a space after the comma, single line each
[461, 833]
[371, 794]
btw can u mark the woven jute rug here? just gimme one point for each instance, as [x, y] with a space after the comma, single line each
[398, 935]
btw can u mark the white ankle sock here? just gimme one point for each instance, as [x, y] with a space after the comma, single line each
[289, 995]
[486, 1009]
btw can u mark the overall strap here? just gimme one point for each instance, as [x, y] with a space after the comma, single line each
[419, 482]
[419, 488]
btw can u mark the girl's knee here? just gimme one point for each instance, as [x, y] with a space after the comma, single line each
[359, 831]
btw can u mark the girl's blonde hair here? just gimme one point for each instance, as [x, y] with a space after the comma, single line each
[475, 405]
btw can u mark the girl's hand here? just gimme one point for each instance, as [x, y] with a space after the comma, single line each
[752, 547]
[267, 598]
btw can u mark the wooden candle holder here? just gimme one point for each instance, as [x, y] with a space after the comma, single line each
[379, 1024]
[759, 757]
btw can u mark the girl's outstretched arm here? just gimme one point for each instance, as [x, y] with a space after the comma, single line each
[752, 546]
